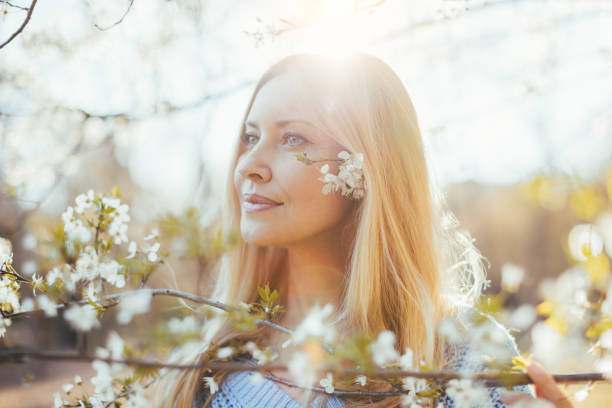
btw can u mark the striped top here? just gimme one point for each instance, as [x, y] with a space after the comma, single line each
[240, 390]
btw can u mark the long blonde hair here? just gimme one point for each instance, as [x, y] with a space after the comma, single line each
[410, 264]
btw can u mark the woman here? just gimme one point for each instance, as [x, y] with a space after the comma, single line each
[382, 249]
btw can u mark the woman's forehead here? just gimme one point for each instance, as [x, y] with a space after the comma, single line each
[283, 98]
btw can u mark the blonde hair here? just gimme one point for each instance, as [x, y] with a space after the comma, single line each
[410, 265]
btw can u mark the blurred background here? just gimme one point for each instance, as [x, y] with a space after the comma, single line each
[514, 101]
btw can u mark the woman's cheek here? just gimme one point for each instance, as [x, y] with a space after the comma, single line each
[302, 179]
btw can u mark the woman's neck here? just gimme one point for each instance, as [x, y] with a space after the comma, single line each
[315, 273]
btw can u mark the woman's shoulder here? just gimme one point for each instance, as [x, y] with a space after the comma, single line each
[487, 343]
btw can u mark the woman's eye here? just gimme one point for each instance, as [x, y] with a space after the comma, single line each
[294, 139]
[247, 138]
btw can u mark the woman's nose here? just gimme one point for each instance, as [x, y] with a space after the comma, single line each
[254, 168]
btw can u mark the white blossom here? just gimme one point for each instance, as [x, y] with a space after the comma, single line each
[261, 356]
[96, 401]
[47, 305]
[36, 283]
[70, 279]
[53, 275]
[448, 329]
[465, 394]
[118, 226]
[92, 292]
[604, 365]
[4, 323]
[137, 398]
[189, 324]
[6, 254]
[82, 317]
[74, 228]
[212, 385]
[132, 304]
[116, 346]
[118, 230]
[582, 393]
[9, 299]
[547, 343]
[406, 360]
[327, 383]
[84, 201]
[313, 325]
[57, 400]
[225, 352]
[132, 248]
[585, 240]
[30, 241]
[410, 400]
[78, 380]
[523, 316]
[29, 267]
[361, 380]
[87, 266]
[67, 388]
[605, 340]
[154, 234]
[567, 292]
[6, 259]
[604, 222]
[349, 180]
[103, 352]
[512, 276]
[414, 385]
[110, 272]
[383, 349]
[302, 370]
[68, 216]
[111, 202]
[103, 381]
[27, 305]
[151, 251]
[62, 275]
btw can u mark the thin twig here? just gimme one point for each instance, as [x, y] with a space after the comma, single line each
[20, 29]
[118, 21]
[13, 5]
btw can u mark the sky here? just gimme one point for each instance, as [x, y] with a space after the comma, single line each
[502, 91]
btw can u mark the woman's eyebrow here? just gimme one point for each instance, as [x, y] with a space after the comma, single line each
[281, 123]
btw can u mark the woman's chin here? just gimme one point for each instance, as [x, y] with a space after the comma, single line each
[259, 239]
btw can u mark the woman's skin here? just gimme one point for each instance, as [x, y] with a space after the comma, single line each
[545, 386]
[313, 227]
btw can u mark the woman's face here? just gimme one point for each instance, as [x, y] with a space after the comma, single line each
[280, 125]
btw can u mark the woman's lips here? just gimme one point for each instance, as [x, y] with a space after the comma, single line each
[257, 207]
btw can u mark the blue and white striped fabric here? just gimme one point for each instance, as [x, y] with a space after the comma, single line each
[239, 391]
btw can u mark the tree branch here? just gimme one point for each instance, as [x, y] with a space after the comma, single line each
[491, 379]
[156, 292]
